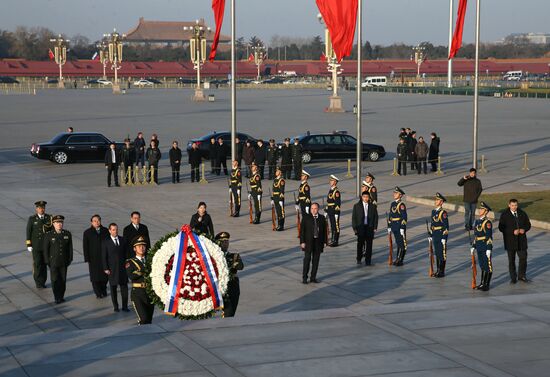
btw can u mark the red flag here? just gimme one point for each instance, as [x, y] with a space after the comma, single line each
[340, 16]
[323, 57]
[51, 54]
[251, 58]
[459, 29]
[218, 6]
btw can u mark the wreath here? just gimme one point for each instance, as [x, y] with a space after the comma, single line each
[187, 275]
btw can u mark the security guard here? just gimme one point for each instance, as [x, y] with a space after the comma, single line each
[37, 226]
[439, 233]
[235, 185]
[368, 186]
[397, 224]
[235, 263]
[334, 202]
[304, 195]
[483, 244]
[256, 193]
[135, 269]
[278, 198]
[58, 253]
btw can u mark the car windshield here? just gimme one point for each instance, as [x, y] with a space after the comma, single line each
[56, 138]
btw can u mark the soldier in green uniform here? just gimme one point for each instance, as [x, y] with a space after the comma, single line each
[334, 202]
[58, 254]
[368, 186]
[235, 263]
[278, 198]
[135, 269]
[256, 193]
[483, 244]
[235, 185]
[37, 226]
[303, 202]
[439, 232]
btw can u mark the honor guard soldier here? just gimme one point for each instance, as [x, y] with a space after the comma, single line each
[235, 263]
[278, 198]
[38, 224]
[483, 244]
[397, 224]
[135, 269]
[334, 202]
[235, 185]
[368, 186]
[256, 193]
[304, 194]
[58, 253]
[439, 233]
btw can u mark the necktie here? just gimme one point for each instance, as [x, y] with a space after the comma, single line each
[315, 228]
[116, 241]
[366, 207]
[113, 156]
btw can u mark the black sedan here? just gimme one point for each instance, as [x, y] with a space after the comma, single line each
[204, 141]
[335, 146]
[72, 147]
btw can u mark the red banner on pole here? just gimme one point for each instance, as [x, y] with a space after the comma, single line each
[459, 29]
[340, 17]
[218, 6]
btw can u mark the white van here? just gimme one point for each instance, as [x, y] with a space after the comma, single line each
[374, 81]
[513, 76]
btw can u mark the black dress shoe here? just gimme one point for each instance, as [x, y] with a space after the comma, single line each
[524, 279]
[513, 281]
[41, 286]
[315, 281]
[61, 300]
[58, 301]
[125, 309]
[358, 262]
[116, 310]
[304, 281]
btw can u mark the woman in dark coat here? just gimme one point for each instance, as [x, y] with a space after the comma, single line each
[434, 151]
[175, 162]
[201, 222]
[91, 246]
[248, 153]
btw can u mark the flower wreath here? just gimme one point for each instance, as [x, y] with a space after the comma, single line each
[187, 275]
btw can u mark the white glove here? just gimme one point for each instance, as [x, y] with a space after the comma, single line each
[272, 203]
[488, 253]
[249, 197]
[443, 241]
[472, 250]
[307, 210]
[29, 249]
[402, 231]
[430, 239]
[389, 230]
[297, 207]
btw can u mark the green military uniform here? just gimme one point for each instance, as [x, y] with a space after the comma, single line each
[304, 196]
[58, 254]
[135, 269]
[334, 202]
[37, 226]
[256, 193]
[278, 199]
[371, 189]
[235, 185]
[235, 263]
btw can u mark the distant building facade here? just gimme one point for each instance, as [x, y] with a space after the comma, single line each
[525, 38]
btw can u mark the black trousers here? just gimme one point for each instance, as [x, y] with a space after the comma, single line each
[58, 276]
[236, 195]
[219, 163]
[312, 257]
[279, 208]
[261, 168]
[422, 165]
[402, 164]
[176, 173]
[522, 267]
[112, 169]
[100, 288]
[231, 299]
[213, 162]
[39, 268]
[414, 165]
[271, 169]
[286, 168]
[297, 165]
[257, 198]
[123, 294]
[364, 244]
[433, 162]
[195, 174]
[142, 305]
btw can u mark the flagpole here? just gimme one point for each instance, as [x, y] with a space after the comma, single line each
[233, 88]
[450, 62]
[359, 155]
[476, 86]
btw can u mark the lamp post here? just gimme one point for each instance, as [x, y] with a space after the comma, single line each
[103, 48]
[197, 45]
[419, 58]
[60, 53]
[114, 46]
[335, 101]
[258, 52]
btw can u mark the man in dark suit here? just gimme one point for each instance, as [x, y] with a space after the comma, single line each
[112, 160]
[114, 252]
[364, 223]
[135, 229]
[260, 157]
[222, 151]
[92, 240]
[514, 224]
[313, 231]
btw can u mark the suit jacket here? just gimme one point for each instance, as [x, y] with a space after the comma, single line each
[307, 232]
[109, 158]
[130, 232]
[91, 246]
[114, 258]
[507, 224]
[358, 218]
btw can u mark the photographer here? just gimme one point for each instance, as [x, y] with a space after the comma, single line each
[472, 191]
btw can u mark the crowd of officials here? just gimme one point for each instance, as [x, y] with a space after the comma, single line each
[416, 152]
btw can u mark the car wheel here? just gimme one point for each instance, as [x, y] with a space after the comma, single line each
[374, 156]
[306, 157]
[60, 157]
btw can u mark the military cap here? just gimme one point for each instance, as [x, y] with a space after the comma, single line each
[333, 177]
[40, 203]
[364, 183]
[370, 175]
[222, 236]
[278, 168]
[397, 189]
[484, 205]
[439, 196]
[58, 219]
[139, 240]
[305, 173]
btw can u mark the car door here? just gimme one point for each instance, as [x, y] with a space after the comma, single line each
[349, 147]
[78, 147]
[336, 148]
[98, 147]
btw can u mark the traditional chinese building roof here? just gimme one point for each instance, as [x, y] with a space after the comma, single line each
[166, 32]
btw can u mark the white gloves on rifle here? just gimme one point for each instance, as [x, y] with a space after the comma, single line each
[29, 249]
[472, 250]
[272, 202]
[430, 239]
[389, 230]
[402, 231]
[488, 253]
[297, 207]
[249, 196]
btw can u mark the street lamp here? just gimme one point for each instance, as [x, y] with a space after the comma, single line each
[114, 46]
[103, 48]
[197, 45]
[258, 52]
[60, 53]
[335, 103]
[419, 58]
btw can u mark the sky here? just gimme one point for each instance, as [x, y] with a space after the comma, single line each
[385, 21]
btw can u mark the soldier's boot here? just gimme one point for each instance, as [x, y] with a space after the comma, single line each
[331, 242]
[401, 257]
[442, 269]
[236, 213]
[280, 225]
[482, 281]
[336, 237]
[436, 273]
[396, 257]
[487, 282]
[257, 219]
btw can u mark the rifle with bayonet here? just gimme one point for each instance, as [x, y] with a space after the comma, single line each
[249, 202]
[230, 198]
[430, 250]
[474, 266]
[390, 256]
[273, 220]
[297, 214]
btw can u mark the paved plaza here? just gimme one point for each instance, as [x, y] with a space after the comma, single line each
[358, 321]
